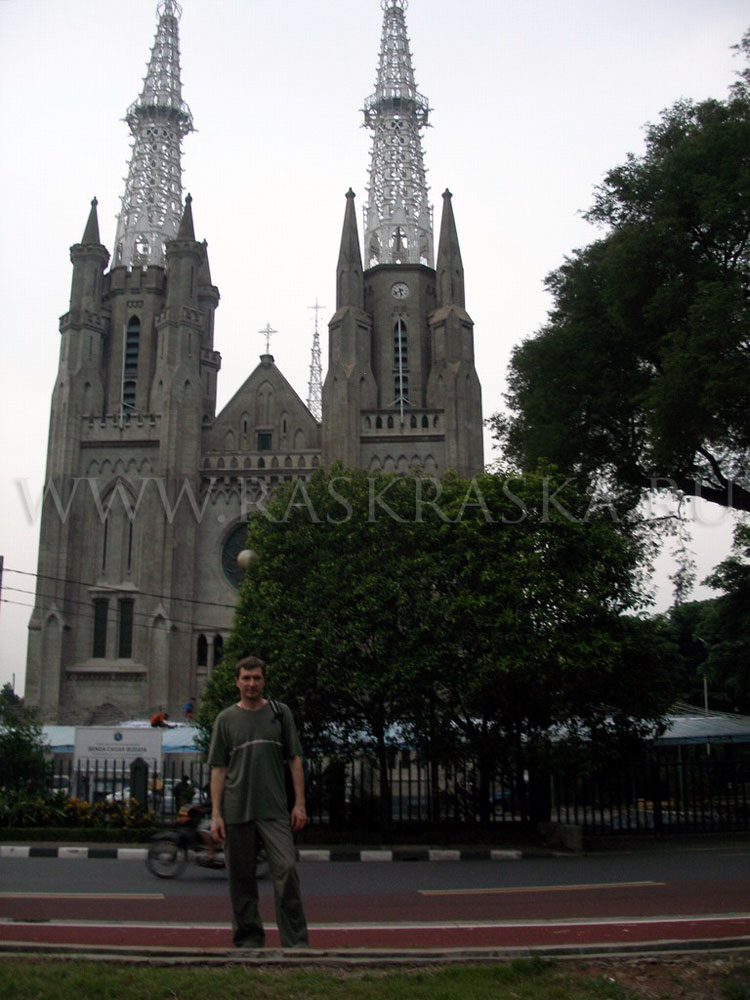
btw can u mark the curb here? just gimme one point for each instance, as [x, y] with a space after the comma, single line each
[367, 957]
[303, 855]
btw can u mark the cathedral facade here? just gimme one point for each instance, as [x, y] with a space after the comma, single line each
[148, 488]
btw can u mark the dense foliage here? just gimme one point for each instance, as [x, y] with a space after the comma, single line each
[639, 380]
[464, 617]
[713, 637]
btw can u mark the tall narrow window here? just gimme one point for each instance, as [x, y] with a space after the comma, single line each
[125, 641]
[400, 365]
[101, 605]
[202, 650]
[400, 345]
[130, 363]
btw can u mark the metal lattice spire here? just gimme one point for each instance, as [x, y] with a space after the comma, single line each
[315, 385]
[152, 204]
[398, 217]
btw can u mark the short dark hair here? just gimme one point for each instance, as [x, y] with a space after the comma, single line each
[247, 662]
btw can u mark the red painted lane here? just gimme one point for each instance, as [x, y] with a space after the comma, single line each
[458, 936]
[523, 903]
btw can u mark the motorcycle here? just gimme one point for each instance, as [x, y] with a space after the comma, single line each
[190, 840]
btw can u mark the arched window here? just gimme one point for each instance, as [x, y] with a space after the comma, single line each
[202, 651]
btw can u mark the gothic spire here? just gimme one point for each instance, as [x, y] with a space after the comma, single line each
[398, 219]
[152, 204]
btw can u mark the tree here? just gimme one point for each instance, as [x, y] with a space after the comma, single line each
[639, 379]
[21, 746]
[533, 641]
[727, 640]
[469, 617]
[334, 603]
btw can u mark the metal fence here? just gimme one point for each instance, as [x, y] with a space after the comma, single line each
[656, 795]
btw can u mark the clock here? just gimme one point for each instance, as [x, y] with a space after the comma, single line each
[234, 543]
[400, 290]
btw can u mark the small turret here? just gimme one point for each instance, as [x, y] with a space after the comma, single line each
[185, 257]
[349, 283]
[89, 259]
[450, 269]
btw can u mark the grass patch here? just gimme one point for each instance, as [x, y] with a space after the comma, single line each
[724, 979]
[24, 980]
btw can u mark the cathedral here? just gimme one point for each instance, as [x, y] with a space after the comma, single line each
[148, 489]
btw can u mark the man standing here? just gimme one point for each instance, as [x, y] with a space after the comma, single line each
[249, 746]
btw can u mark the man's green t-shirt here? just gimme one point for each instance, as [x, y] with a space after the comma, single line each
[253, 746]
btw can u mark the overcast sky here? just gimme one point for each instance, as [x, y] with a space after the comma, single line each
[533, 101]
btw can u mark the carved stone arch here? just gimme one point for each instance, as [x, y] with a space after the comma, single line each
[388, 464]
[315, 462]
[429, 465]
[275, 462]
[375, 464]
[301, 463]
[248, 463]
[288, 462]
[264, 399]
[299, 439]
[93, 468]
[402, 465]
[145, 468]
[159, 632]
[234, 464]
[229, 440]
[207, 462]
[220, 463]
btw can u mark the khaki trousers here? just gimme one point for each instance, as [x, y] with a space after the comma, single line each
[240, 851]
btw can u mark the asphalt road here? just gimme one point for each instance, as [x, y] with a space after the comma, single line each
[649, 898]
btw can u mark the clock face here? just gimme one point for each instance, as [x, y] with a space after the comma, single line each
[234, 543]
[400, 290]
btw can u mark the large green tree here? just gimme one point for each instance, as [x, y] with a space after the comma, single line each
[470, 617]
[640, 378]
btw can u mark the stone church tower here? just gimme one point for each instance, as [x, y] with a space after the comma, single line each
[148, 489]
[401, 393]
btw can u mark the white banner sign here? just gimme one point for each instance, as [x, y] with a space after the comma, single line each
[123, 744]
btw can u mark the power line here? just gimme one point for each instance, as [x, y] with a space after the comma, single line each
[115, 588]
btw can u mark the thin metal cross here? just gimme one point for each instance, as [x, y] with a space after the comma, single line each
[268, 333]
